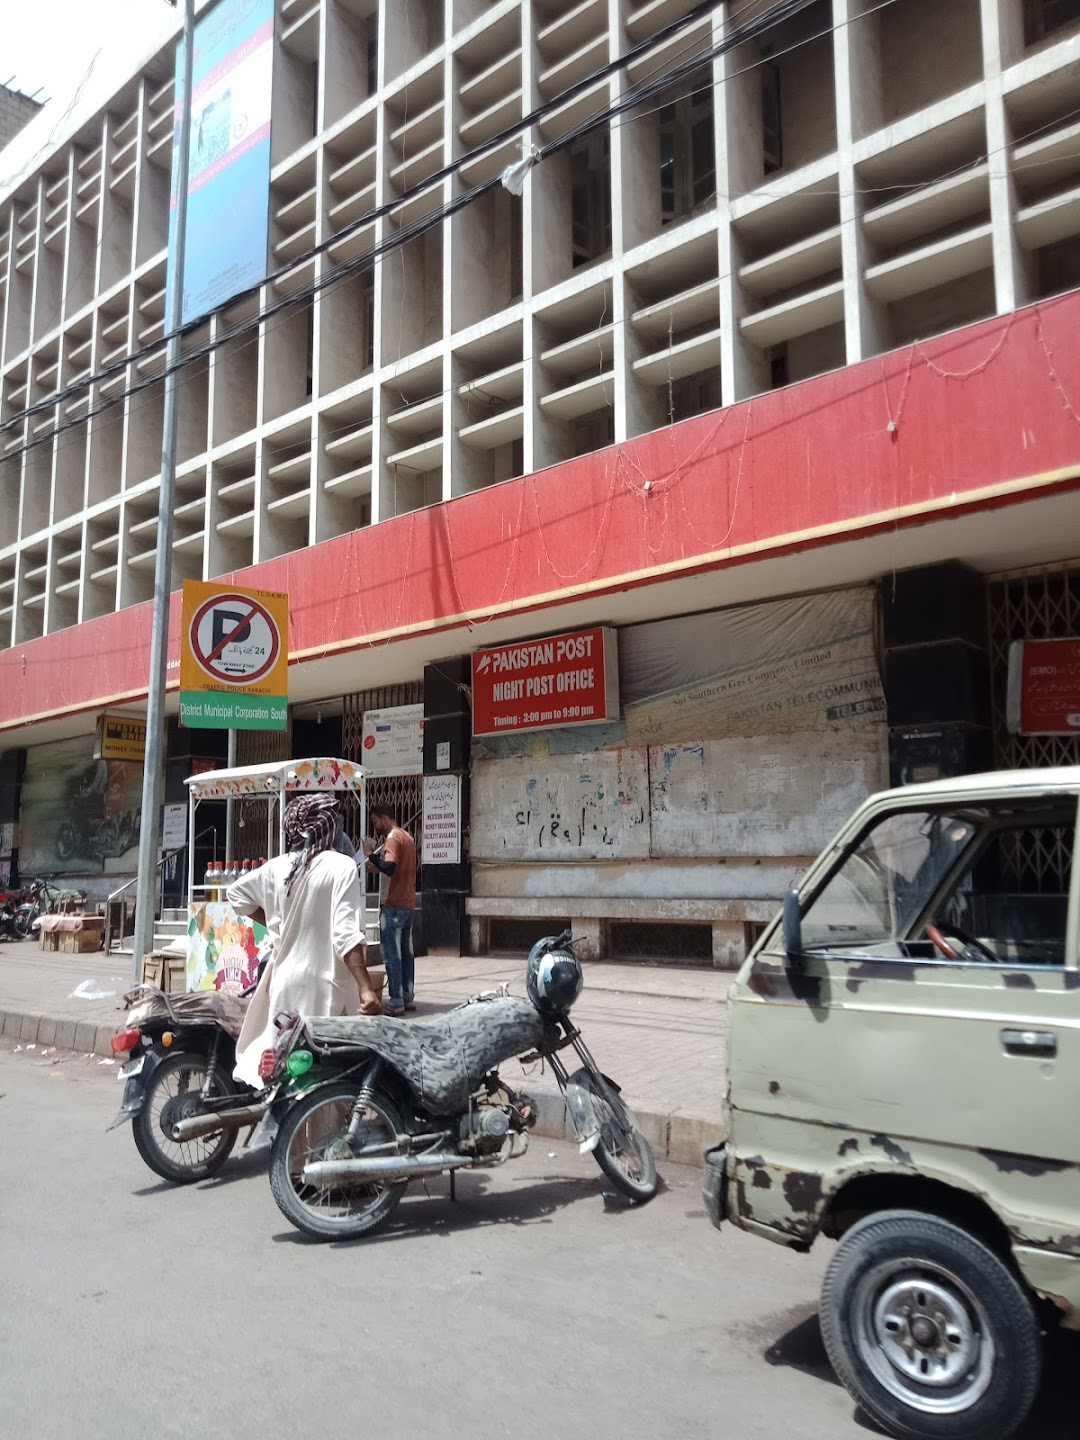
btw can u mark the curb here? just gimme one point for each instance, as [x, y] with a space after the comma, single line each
[682, 1139]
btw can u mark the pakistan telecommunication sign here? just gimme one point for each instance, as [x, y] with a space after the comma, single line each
[234, 655]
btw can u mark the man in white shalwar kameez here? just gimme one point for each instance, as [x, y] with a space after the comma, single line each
[312, 903]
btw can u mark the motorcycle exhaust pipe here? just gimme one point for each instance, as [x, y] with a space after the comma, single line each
[200, 1125]
[321, 1173]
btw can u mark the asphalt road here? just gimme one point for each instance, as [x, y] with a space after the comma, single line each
[529, 1309]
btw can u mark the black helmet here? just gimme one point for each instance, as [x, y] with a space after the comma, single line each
[553, 975]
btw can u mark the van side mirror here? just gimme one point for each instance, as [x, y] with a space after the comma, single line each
[792, 924]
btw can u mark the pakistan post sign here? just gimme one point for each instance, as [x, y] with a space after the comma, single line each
[228, 157]
[234, 658]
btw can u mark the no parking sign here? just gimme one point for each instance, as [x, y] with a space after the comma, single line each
[234, 653]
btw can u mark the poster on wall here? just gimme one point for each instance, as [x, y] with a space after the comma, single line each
[78, 816]
[441, 835]
[228, 156]
[393, 741]
[174, 826]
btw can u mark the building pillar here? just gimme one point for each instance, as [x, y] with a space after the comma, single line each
[447, 750]
[12, 767]
[937, 673]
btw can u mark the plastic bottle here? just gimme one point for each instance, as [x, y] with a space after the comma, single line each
[208, 877]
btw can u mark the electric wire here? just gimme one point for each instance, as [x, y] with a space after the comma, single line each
[775, 16]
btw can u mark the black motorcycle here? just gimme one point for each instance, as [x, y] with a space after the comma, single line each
[186, 1109]
[364, 1105]
[35, 901]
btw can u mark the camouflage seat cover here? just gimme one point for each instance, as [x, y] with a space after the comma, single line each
[199, 1007]
[442, 1060]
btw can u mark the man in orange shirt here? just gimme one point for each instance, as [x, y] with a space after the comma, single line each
[395, 858]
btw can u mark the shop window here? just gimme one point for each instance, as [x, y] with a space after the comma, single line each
[590, 180]
[694, 395]
[309, 342]
[594, 432]
[771, 132]
[687, 154]
[372, 58]
[1059, 267]
[1045, 18]
[778, 367]
[367, 319]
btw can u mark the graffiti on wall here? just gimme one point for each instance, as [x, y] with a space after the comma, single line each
[79, 815]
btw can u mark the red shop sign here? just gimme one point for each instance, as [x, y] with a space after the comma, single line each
[1044, 687]
[570, 679]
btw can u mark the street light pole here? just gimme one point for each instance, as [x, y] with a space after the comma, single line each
[153, 779]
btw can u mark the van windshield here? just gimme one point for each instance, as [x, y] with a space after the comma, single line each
[886, 881]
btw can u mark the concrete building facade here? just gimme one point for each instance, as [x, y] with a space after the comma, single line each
[16, 110]
[794, 316]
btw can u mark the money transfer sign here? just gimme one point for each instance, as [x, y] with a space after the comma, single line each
[234, 652]
[1044, 687]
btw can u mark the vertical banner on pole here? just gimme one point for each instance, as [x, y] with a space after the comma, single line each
[228, 156]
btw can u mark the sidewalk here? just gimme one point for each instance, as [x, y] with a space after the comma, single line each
[659, 1032]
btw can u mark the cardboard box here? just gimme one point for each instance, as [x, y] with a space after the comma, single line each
[72, 934]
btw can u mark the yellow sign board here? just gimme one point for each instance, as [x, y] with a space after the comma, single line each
[121, 737]
[234, 657]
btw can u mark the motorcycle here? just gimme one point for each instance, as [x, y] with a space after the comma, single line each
[178, 1052]
[35, 900]
[9, 910]
[361, 1105]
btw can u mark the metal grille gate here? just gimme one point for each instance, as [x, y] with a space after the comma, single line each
[404, 793]
[1042, 605]
[1032, 605]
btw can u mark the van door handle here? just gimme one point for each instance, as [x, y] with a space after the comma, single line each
[1037, 1043]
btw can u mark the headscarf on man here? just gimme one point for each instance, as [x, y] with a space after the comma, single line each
[311, 826]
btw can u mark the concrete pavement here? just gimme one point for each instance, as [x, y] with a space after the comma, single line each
[659, 1032]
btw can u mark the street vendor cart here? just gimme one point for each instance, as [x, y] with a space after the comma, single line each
[224, 948]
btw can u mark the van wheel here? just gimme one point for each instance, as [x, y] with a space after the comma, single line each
[929, 1331]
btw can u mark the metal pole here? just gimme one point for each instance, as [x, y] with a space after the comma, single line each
[229, 802]
[150, 829]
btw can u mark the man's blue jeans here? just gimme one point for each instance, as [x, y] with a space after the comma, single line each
[395, 938]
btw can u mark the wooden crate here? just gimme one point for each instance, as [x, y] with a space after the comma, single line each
[72, 934]
[80, 942]
[167, 972]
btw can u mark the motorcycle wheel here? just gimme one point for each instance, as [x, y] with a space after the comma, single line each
[174, 1093]
[314, 1129]
[623, 1153]
[23, 922]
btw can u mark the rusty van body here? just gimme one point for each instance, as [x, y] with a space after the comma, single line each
[904, 1076]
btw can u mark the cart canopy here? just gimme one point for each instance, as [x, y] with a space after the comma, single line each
[280, 777]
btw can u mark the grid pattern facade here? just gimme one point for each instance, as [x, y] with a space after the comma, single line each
[864, 175]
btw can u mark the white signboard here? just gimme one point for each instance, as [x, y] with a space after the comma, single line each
[441, 838]
[174, 827]
[393, 741]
